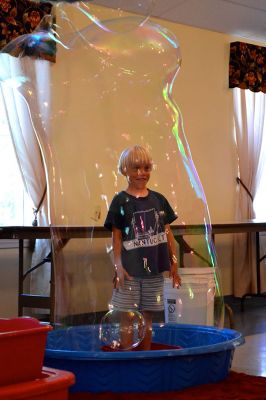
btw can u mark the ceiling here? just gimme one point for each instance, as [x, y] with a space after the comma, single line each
[242, 18]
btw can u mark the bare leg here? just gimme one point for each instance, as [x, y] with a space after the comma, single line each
[145, 344]
[126, 331]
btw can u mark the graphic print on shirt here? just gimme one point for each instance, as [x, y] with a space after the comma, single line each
[146, 230]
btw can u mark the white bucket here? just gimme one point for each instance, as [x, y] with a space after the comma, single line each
[193, 302]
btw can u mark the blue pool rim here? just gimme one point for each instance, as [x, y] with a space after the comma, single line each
[151, 371]
[232, 339]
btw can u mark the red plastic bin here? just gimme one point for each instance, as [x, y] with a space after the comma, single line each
[53, 385]
[22, 346]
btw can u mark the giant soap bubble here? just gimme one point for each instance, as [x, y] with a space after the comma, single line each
[107, 91]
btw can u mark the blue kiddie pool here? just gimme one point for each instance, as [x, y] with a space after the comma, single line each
[205, 356]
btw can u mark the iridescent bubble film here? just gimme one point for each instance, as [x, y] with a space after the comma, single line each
[117, 9]
[90, 93]
[122, 330]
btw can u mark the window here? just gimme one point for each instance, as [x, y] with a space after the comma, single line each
[250, 137]
[15, 205]
[260, 197]
[259, 202]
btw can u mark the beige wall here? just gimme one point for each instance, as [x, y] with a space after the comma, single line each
[201, 91]
[9, 277]
[8, 283]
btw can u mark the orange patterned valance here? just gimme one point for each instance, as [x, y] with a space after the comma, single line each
[20, 17]
[247, 67]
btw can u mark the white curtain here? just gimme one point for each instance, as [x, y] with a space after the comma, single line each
[26, 145]
[249, 118]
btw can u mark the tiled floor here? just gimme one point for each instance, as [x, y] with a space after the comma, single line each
[251, 356]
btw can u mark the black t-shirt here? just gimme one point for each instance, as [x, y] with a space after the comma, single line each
[142, 222]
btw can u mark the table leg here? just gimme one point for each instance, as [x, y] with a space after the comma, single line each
[258, 261]
[20, 274]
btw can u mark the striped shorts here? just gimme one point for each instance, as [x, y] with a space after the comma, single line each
[143, 294]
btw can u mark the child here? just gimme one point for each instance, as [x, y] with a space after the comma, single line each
[143, 243]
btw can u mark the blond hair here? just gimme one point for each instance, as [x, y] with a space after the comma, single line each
[131, 156]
